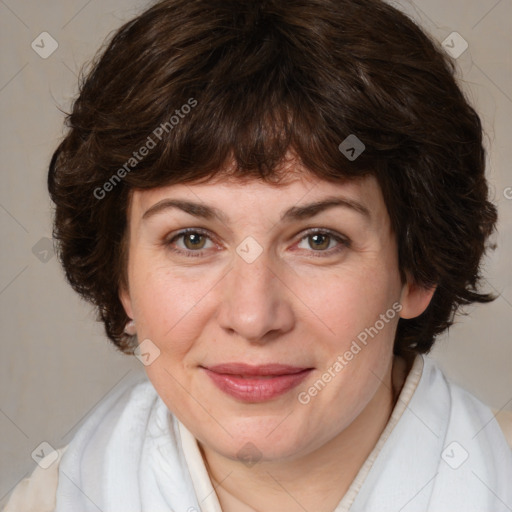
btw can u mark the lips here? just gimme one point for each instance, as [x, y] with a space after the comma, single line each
[247, 370]
[250, 383]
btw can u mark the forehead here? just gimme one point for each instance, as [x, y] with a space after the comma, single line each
[236, 196]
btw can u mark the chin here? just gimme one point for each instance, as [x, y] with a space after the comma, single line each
[258, 439]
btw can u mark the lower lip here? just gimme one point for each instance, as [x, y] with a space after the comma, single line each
[256, 389]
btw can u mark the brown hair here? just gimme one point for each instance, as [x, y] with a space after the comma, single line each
[200, 83]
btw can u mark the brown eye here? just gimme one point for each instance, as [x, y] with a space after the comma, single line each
[319, 241]
[190, 243]
[194, 240]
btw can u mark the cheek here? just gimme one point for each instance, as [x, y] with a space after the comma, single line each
[364, 320]
[349, 301]
[167, 304]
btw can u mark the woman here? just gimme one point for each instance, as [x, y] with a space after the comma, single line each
[277, 206]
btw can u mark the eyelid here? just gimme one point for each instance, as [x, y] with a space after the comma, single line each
[176, 235]
[342, 240]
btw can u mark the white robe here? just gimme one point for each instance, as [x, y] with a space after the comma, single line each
[441, 451]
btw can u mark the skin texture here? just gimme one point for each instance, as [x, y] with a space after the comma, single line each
[300, 302]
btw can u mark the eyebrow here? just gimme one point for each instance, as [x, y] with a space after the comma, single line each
[292, 214]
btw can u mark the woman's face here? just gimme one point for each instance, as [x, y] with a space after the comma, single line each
[303, 275]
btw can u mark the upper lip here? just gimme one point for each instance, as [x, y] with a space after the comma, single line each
[259, 370]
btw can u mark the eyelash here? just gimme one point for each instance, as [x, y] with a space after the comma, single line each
[344, 242]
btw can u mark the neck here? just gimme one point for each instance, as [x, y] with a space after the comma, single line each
[317, 481]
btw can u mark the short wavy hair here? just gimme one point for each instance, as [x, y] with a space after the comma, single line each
[201, 83]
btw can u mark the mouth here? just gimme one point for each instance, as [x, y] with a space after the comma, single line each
[249, 383]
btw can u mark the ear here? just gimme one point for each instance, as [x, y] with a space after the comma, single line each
[126, 301]
[414, 298]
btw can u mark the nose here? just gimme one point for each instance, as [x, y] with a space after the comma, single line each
[255, 303]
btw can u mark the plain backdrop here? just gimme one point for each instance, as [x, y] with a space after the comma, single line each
[56, 362]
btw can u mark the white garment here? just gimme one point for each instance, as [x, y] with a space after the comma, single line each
[133, 455]
[127, 457]
[446, 454]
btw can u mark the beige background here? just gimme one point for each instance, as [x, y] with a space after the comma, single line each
[56, 363]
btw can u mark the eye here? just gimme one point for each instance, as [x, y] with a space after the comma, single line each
[324, 241]
[193, 242]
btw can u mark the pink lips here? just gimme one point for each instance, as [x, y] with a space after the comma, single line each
[256, 383]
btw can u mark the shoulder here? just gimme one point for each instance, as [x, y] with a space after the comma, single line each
[504, 419]
[465, 404]
[37, 493]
